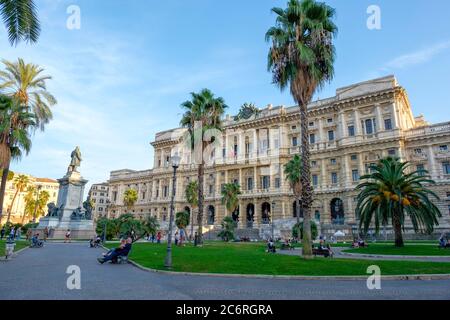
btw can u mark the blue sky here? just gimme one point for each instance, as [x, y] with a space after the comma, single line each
[122, 76]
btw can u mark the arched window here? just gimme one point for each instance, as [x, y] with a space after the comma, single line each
[211, 215]
[337, 211]
[265, 213]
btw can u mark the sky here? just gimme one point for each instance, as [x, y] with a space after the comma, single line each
[121, 77]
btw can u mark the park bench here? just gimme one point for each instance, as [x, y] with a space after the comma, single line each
[122, 259]
[321, 252]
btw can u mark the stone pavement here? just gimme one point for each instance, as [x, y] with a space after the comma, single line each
[41, 274]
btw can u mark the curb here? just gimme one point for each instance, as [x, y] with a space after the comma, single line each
[365, 255]
[15, 253]
[424, 277]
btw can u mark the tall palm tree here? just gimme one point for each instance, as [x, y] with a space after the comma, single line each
[390, 193]
[192, 198]
[203, 113]
[230, 196]
[301, 57]
[293, 171]
[15, 121]
[21, 183]
[21, 21]
[130, 197]
[35, 203]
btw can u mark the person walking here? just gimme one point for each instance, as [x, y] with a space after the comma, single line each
[67, 238]
[45, 233]
[177, 238]
[18, 233]
[12, 233]
[158, 237]
[182, 236]
[2, 233]
[29, 234]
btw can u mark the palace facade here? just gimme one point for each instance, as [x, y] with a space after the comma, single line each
[363, 123]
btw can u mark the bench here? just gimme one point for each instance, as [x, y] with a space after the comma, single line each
[321, 252]
[287, 246]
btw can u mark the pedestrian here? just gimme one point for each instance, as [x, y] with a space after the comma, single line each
[2, 233]
[45, 233]
[153, 238]
[196, 239]
[67, 238]
[177, 238]
[158, 237]
[29, 234]
[18, 233]
[12, 232]
[182, 236]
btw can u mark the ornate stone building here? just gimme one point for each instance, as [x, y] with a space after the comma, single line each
[98, 193]
[363, 123]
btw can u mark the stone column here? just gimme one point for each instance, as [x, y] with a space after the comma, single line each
[321, 138]
[342, 125]
[379, 117]
[346, 174]
[395, 122]
[255, 144]
[324, 178]
[432, 163]
[358, 128]
[362, 168]
[241, 182]
[255, 179]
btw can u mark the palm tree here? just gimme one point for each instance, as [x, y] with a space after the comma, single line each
[182, 219]
[15, 121]
[20, 19]
[192, 199]
[35, 203]
[389, 193]
[130, 197]
[203, 114]
[301, 57]
[21, 183]
[230, 196]
[293, 171]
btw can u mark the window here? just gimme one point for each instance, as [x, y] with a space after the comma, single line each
[312, 138]
[277, 182]
[317, 215]
[102, 201]
[143, 194]
[100, 209]
[392, 152]
[166, 191]
[311, 124]
[421, 169]
[418, 151]
[210, 189]
[315, 180]
[294, 127]
[333, 161]
[369, 126]
[355, 175]
[250, 183]
[265, 182]
[313, 163]
[387, 124]
[446, 167]
[114, 195]
[294, 141]
[351, 131]
[329, 120]
[334, 178]
[354, 157]
[443, 148]
[331, 135]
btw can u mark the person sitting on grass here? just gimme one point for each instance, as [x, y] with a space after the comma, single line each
[271, 246]
[122, 250]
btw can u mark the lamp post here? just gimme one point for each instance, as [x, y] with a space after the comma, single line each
[272, 220]
[175, 164]
[39, 187]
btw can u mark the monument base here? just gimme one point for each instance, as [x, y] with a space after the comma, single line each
[79, 230]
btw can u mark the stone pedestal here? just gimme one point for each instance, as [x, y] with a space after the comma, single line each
[70, 200]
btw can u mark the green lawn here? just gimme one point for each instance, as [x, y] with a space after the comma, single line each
[19, 245]
[245, 258]
[408, 250]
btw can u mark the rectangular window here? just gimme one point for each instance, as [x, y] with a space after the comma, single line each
[333, 161]
[315, 180]
[311, 124]
[387, 124]
[418, 151]
[369, 126]
[334, 178]
[421, 169]
[443, 148]
[330, 120]
[446, 167]
[143, 195]
[294, 141]
[354, 157]
[392, 152]
[312, 138]
[277, 182]
[331, 135]
[211, 189]
[250, 183]
[265, 182]
[355, 175]
[224, 152]
[351, 131]
[114, 195]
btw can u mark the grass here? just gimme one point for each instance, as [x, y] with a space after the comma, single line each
[19, 245]
[407, 250]
[251, 258]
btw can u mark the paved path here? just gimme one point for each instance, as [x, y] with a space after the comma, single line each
[340, 255]
[41, 274]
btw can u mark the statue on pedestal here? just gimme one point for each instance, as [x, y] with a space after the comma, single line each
[76, 160]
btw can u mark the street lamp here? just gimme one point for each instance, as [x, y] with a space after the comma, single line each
[39, 187]
[175, 164]
[271, 219]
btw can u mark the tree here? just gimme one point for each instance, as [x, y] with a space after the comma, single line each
[21, 183]
[299, 228]
[21, 20]
[202, 116]
[182, 220]
[35, 203]
[389, 194]
[15, 122]
[230, 196]
[293, 171]
[111, 228]
[301, 57]
[24, 84]
[130, 197]
[228, 228]
[128, 226]
[192, 199]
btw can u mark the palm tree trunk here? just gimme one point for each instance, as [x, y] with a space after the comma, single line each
[306, 183]
[297, 209]
[201, 173]
[3, 189]
[397, 231]
[11, 206]
[192, 224]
